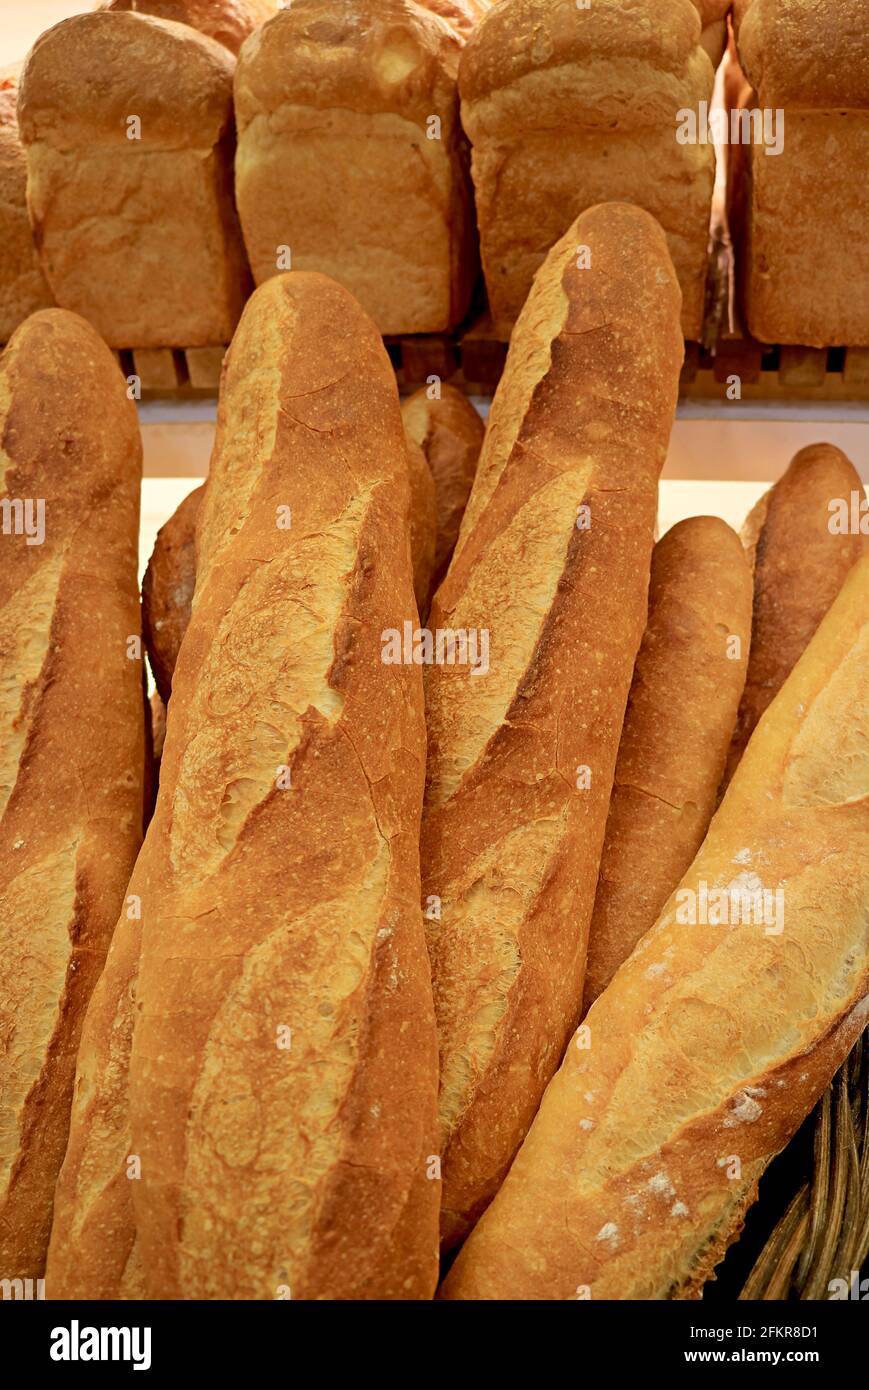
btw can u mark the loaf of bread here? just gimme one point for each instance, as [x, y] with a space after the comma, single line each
[282, 1082]
[567, 107]
[549, 590]
[803, 251]
[351, 157]
[130, 178]
[450, 433]
[22, 285]
[799, 559]
[687, 684]
[717, 1036]
[167, 590]
[72, 749]
[227, 21]
[713, 18]
[423, 523]
[170, 579]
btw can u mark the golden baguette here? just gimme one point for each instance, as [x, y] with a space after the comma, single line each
[799, 565]
[167, 590]
[688, 680]
[273, 905]
[450, 433]
[170, 579]
[72, 742]
[713, 1042]
[554, 565]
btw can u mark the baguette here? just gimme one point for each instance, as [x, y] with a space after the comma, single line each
[72, 742]
[167, 590]
[713, 1042]
[450, 433]
[135, 223]
[513, 823]
[687, 684]
[423, 523]
[264, 908]
[170, 579]
[569, 106]
[799, 566]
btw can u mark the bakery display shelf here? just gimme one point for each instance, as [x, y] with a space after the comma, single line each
[474, 360]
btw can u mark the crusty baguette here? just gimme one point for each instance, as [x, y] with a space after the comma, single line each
[228, 21]
[681, 712]
[170, 579]
[799, 566]
[266, 1166]
[72, 749]
[136, 225]
[167, 590]
[713, 1042]
[513, 825]
[450, 434]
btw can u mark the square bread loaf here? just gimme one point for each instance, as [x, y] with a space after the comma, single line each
[22, 285]
[351, 158]
[568, 107]
[805, 253]
[127, 122]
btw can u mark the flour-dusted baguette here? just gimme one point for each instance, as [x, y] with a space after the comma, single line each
[568, 106]
[283, 1073]
[227, 21]
[713, 1042]
[167, 590]
[71, 734]
[681, 712]
[551, 580]
[128, 126]
[450, 434]
[23, 289]
[800, 555]
[351, 156]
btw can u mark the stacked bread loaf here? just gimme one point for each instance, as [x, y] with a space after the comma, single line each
[228, 21]
[351, 157]
[22, 285]
[805, 278]
[567, 106]
[130, 178]
[549, 580]
[276, 1081]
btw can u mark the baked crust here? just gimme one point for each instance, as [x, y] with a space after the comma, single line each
[567, 108]
[712, 1043]
[339, 162]
[139, 236]
[688, 680]
[512, 835]
[72, 744]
